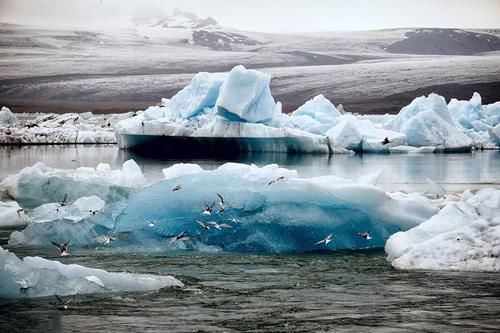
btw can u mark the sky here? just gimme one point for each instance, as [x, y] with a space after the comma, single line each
[284, 16]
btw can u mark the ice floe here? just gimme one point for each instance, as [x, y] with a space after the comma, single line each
[464, 235]
[11, 214]
[38, 277]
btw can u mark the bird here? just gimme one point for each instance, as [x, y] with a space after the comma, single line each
[183, 236]
[208, 209]
[203, 224]
[151, 223]
[63, 202]
[234, 220]
[385, 141]
[63, 248]
[365, 235]
[19, 212]
[219, 226]
[325, 240]
[177, 188]
[276, 180]
[93, 212]
[108, 240]
[63, 304]
[221, 203]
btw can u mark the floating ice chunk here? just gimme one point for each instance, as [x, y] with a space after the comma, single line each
[472, 115]
[40, 184]
[274, 210]
[181, 169]
[95, 137]
[246, 96]
[464, 235]
[370, 179]
[346, 133]
[316, 115]
[11, 214]
[412, 150]
[495, 134]
[428, 122]
[201, 93]
[77, 211]
[7, 118]
[38, 277]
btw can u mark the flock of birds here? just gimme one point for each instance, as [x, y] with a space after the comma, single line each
[208, 210]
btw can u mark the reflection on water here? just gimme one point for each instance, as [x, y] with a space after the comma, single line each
[407, 172]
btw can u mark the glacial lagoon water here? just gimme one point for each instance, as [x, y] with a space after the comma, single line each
[339, 292]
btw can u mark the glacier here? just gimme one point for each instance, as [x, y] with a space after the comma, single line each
[39, 277]
[266, 209]
[463, 236]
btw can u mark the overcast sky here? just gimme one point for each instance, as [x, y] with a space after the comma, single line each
[264, 15]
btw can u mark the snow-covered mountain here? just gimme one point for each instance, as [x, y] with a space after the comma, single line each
[178, 19]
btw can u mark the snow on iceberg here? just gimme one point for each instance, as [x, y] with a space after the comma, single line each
[38, 277]
[428, 122]
[464, 235]
[11, 214]
[246, 96]
[266, 209]
[40, 184]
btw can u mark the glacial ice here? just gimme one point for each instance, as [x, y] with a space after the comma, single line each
[40, 184]
[245, 95]
[38, 277]
[11, 214]
[316, 115]
[7, 118]
[464, 235]
[428, 122]
[78, 210]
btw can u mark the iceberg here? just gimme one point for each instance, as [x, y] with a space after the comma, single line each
[412, 150]
[38, 277]
[316, 115]
[40, 184]
[246, 96]
[428, 122]
[11, 214]
[464, 236]
[7, 118]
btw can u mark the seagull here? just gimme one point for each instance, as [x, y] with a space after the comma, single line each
[108, 240]
[385, 141]
[325, 240]
[234, 220]
[221, 203]
[203, 224]
[365, 235]
[183, 236]
[218, 226]
[208, 209]
[19, 212]
[151, 223]
[93, 212]
[63, 248]
[64, 304]
[276, 180]
[177, 188]
[63, 202]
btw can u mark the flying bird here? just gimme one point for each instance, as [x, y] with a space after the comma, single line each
[19, 212]
[151, 223]
[385, 141]
[219, 226]
[183, 236]
[93, 212]
[177, 188]
[325, 240]
[62, 303]
[108, 240]
[365, 235]
[276, 180]
[63, 202]
[203, 224]
[208, 209]
[63, 248]
[221, 203]
[234, 220]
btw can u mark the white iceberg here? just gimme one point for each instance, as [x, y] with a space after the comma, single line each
[412, 150]
[39, 184]
[428, 122]
[464, 235]
[7, 118]
[11, 214]
[245, 95]
[38, 277]
[316, 115]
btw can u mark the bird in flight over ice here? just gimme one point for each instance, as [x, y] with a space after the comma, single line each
[221, 203]
[365, 235]
[63, 248]
[219, 226]
[385, 141]
[183, 236]
[108, 240]
[276, 180]
[151, 223]
[177, 188]
[208, 209]
[325, 240]
[203, 224]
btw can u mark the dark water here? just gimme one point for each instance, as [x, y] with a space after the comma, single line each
[352, 292]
